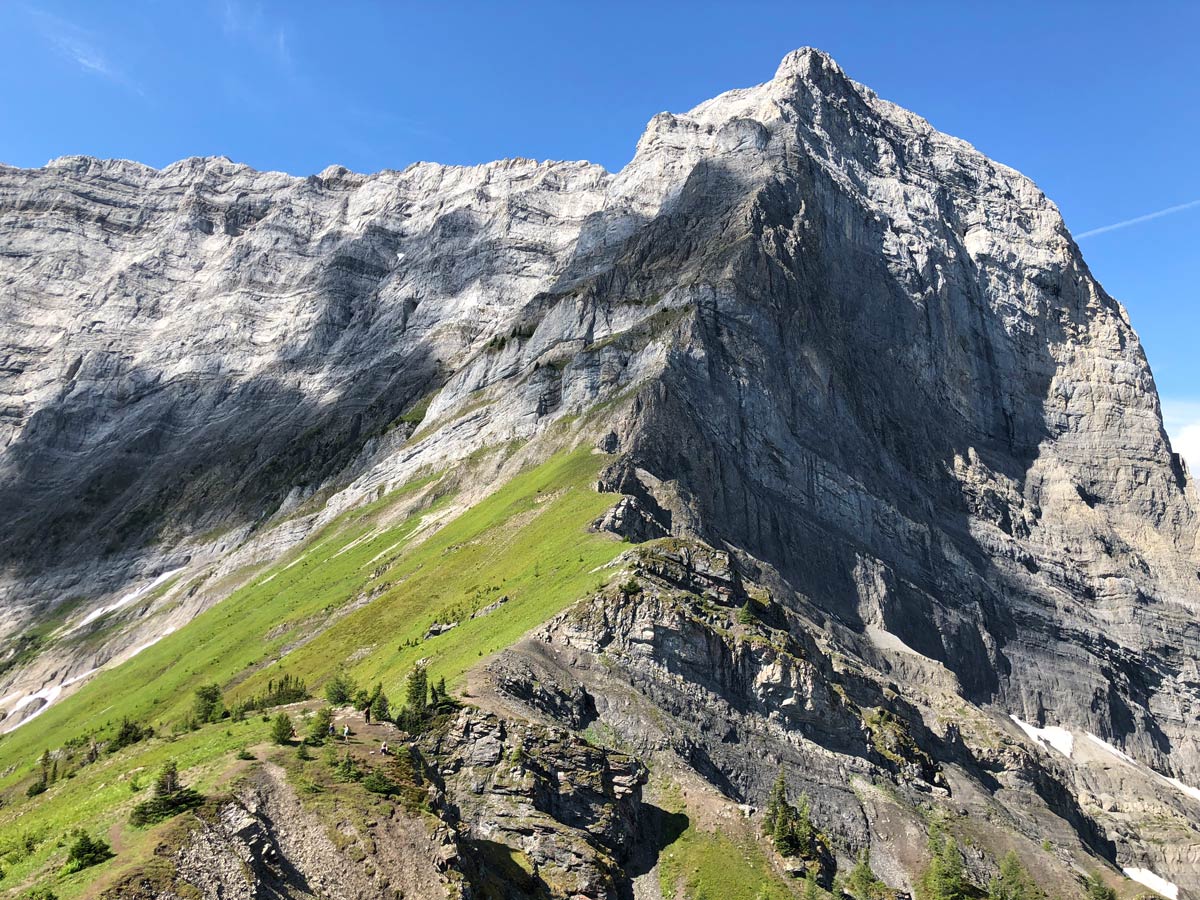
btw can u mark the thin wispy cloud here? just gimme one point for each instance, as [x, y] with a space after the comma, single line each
[1137, 220]
[250, 23]
[81, 47]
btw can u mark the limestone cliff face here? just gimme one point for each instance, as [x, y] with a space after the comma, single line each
[864, 360]
[899, 385]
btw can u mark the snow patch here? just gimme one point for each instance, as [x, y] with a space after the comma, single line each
[1192, 792]
[1105, 745]
[1052, 735]
[126, 599]
[1185, 789]
[1154, 882]
[48, 695]
[79, 677]
[150, 643]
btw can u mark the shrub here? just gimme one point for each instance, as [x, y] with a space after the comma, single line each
[285, 689]
[378, 783]
[39, 893]
[243, 753]
[281, 729]
[85, 852]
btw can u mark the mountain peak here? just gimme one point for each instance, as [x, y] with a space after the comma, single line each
[807, 62]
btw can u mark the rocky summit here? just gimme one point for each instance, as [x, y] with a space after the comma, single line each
[787, 513]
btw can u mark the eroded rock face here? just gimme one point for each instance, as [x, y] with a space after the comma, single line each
[899, 385]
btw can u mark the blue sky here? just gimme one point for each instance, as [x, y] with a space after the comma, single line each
[1097, 102]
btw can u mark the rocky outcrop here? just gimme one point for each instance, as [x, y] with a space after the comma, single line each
[264, 842]
[489, 808]
[538, 813]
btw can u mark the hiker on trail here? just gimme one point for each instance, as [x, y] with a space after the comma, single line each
[384, 749]
[345, 732]
[331, 731]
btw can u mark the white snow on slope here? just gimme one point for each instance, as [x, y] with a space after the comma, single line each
[1186, 789]
[150, 643]
[1192, 792]
[1154, 882]
[1053, 736]
[126, 599]
[49, 695]
[1105, 745]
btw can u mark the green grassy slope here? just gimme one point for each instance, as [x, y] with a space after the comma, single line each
[527, 541]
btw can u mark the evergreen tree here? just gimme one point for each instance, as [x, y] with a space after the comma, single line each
[86, 851]
[128, 733]
[862, 884]
[1097, 889]
[362, 700]
[1014, 882]
[776, 803]
[170, 798]
[167, 782]
[340, 689]
[318, 726]
[810, 890]
[347, 769]
[416, 690]
[806, 835]
[281, 729]
[379, 705]
[207, 706]
[944, 878]
[790, 827]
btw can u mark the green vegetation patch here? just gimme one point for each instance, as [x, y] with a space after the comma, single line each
[374, 588]
[698, 864]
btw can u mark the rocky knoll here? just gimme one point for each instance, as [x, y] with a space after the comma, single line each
[858, 370]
